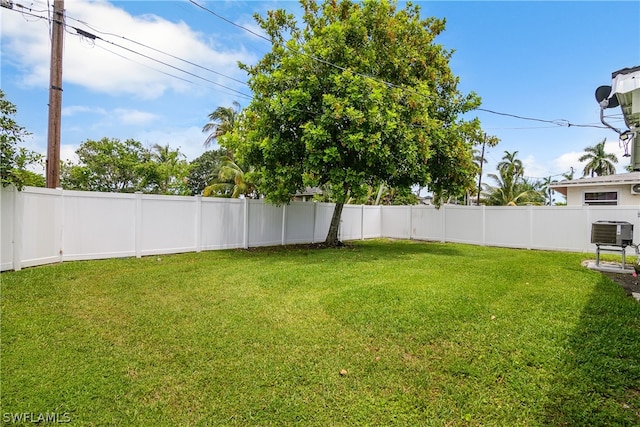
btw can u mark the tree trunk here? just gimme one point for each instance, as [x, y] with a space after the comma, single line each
[332, 235]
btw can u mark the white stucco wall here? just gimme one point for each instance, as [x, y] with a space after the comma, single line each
[575, 195]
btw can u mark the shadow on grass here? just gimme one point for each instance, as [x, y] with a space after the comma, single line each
[598, 377]
[371, 251]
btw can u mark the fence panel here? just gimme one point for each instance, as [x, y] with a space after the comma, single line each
[351, 222]
[168, 224]
[8, 198]
[265, 223]
[372, 222]
[103, 225]
[299, 222]
[40, 226]
[507, 226]
[324, 212]
[396, 222]
[41, 234]
[222, 223]
[427, 223]
[464, 224]
[558, 228]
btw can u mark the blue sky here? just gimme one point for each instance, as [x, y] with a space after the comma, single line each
[540, 60]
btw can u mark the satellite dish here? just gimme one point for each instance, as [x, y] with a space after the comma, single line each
[602, 94]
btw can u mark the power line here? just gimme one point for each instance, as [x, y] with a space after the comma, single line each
[556, 122]
[159, 51]
[228, 20]
[86, 34]
[155, 69]
[92, 36]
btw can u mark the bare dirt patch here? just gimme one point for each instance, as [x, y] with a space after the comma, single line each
[628, 282]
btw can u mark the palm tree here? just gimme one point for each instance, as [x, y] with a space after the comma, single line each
[231, 182]
[568, 175]
[165, 170]
[479, 160]
[221, 122]
[599, 162]
[507, 191]
[544, 187]
[511, 164]
[510, 187]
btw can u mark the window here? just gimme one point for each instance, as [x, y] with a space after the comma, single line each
[601, 198]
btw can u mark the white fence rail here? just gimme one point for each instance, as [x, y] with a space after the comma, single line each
[40, 226]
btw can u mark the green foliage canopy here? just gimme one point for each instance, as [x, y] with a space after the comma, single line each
[112, 165]
[204, 169]
[14, 160]
[362, 94]
[107, 165]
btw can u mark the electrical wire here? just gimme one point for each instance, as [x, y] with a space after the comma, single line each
[159, 51]
[157, 70]
[93, 37]
[163, 63]
[556, 122]
[229, 21]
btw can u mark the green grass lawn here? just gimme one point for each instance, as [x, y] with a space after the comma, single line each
[428, 334]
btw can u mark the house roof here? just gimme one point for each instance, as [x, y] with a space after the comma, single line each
[309, 191]
[617, 179]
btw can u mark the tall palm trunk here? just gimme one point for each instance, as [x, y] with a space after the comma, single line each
[332, 235]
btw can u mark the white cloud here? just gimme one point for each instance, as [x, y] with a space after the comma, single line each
[78, 109]
[188, 140]
[90, 63]
[68, 153]
[134, 117]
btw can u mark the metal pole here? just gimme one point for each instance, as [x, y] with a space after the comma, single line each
[55, 96]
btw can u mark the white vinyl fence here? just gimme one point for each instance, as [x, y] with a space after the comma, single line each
[40, 226]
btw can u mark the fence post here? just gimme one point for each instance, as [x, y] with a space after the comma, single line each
[483, 216]
[138, 224]
[245, 235]
[198, 225]
[361, 222]
[444, 223]
[410, 222]
[315, 216]
[587, 226]
[284, 224]
[530, 212]
[60, 217]
[18, 210]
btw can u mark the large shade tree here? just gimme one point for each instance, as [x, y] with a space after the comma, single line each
[599, 162]
[360, 94]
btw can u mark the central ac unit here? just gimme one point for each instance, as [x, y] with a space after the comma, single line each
[635, 188]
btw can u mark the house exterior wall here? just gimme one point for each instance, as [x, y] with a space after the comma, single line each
[575, 195]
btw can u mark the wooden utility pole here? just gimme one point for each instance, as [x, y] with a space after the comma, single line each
[55, 96]
[484, 141]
